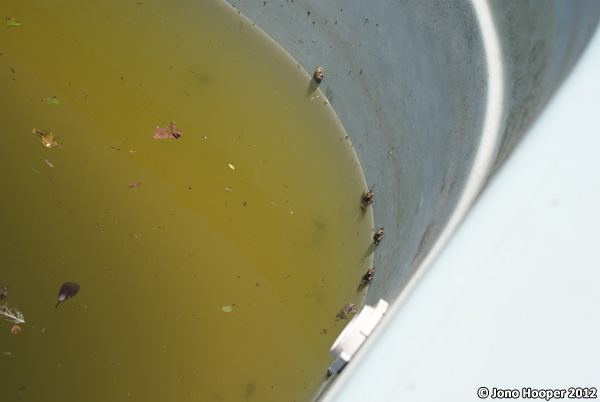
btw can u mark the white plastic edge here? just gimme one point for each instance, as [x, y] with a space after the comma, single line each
[354, 335]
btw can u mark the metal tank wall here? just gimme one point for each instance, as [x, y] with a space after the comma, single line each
[434, 96]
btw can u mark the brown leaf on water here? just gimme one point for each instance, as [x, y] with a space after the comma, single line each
[134, 185]
[167, 132]
[47, 139]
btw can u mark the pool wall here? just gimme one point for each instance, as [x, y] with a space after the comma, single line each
[434, 96]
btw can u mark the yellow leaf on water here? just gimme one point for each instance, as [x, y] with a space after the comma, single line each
[47, 139]
[227, 309]
[51, 101]
[12, 22]
[231, 166]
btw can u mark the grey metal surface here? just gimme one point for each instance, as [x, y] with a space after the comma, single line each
[409, 82]
[511, 301]
[435, 96]
[541, 40]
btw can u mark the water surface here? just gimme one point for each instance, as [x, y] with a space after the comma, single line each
[256, 207]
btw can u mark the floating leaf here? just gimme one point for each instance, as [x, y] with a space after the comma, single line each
[134, 185]
[12, 22]
[227, 309]
[167, 132]
[47, 139]
[231, 166]
[51, 101]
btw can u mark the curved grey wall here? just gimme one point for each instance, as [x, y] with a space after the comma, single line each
[541, 41]
[410, 83]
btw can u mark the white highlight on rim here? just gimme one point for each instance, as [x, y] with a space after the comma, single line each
[489, 139]
[477, 177]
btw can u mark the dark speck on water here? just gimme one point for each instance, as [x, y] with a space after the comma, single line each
[68, 289]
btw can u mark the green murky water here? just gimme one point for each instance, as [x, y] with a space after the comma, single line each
[280, 236]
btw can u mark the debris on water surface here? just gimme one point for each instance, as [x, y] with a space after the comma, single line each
[230, 166]
[134, 185]
[366, 278]
[68, 289]
[345, 311]
[378, 236]
[49, 164]
[227, 309]
[318, 75]
[12, 22]
[52, 101]
[7, 354]
[47, 139]
[15, 317]
[15, 330]
[167, 132]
